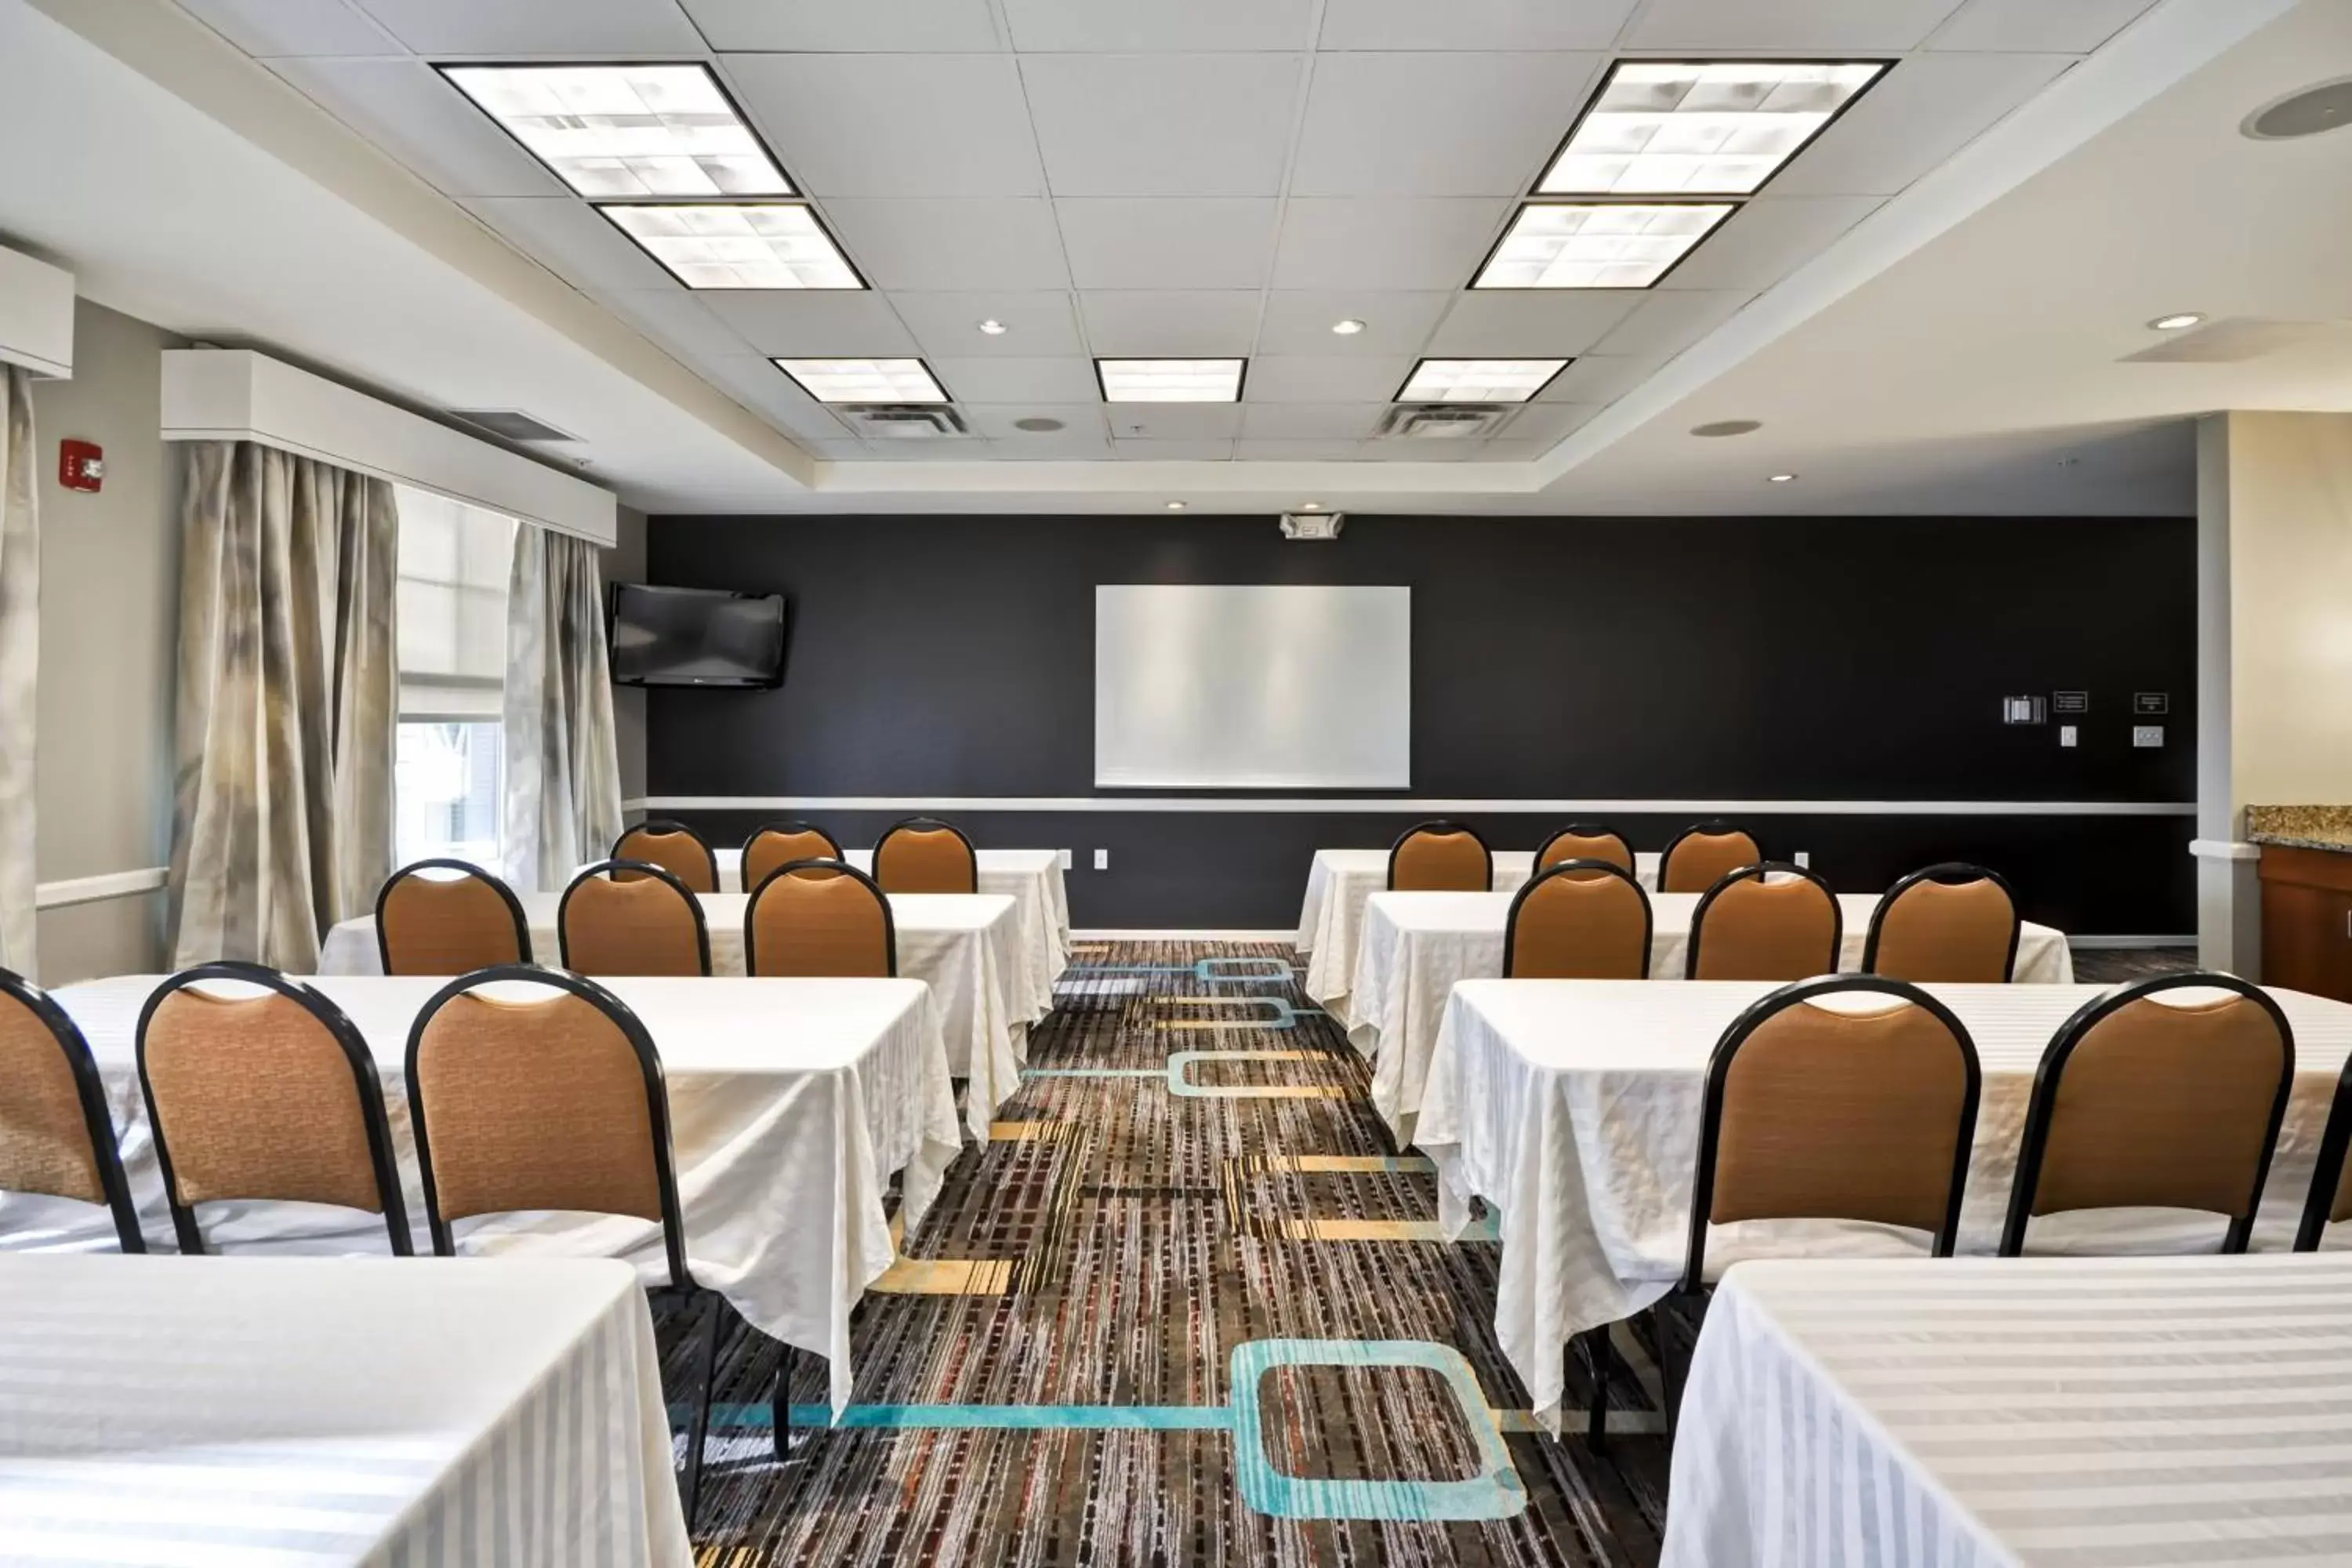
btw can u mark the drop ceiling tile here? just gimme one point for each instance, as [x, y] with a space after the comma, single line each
[552, 28]
[1473, 25]
[1788, 27]
[1436, 124]
[1034, 324]
[1541, 424]
[763, 388]
[1397, 243]
[1921, 113]
[846, 27]
[1396, 322]
[1163, 125]
[1600, 378]
[1125, 25]
[1168, 322]
[1421, 449]
[893, 125]
[1174, 451]
[570, 239]
[1181, 243]
[812, 324]
[981, 243]
[1547, 324]
[675, 319]
[1767, 239]
[1173, 421]
[1325, 378]
[1311, 421]
[2037, 26]
[1286, 451]
[1667, 322]
[1060, 379]
[1078, 419]
[404, 107]
[263, 28]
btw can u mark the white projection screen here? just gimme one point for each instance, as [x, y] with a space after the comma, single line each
[1203, 686]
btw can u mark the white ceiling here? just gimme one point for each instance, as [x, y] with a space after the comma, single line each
[1222, 177]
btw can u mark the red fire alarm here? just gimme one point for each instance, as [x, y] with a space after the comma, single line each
[81, 466]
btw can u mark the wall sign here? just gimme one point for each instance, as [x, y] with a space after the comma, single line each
[2152, 701]
[2070, 703]
[2024, 711]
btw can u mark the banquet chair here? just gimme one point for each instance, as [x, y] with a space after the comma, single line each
[773, 843]
[2142, 1104]
[1952, 922]
[1579, 920]
[427, 924]
[924, 855]
[819, 917]
[274, 1098]
[1702, 855]
[1586, 841]
[2331, 1175]
[676, 847]
[556, 1105]
[1771, 921]
[1819, 1113]
[1440, 857]
[57, 1138]
[650, 923]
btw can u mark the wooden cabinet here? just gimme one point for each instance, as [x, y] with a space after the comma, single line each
[2307, 920]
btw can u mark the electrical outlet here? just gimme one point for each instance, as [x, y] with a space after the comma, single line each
[1804, 858]
[2066, 734]
[2147, 734]
[1102, 859]
[1066, 859]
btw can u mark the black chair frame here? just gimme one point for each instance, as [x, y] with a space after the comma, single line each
[668, 824]
[1589, 830]
[929, 824]
[381, 1161]
[1568, 868]
[1952, 873]
[1760, 872]
[643, 868]
[443, 863]
[838, 868]
[2329, 1170]
[1440, 825]
[89, 1088]
[2053, 1068]
[1712, 827]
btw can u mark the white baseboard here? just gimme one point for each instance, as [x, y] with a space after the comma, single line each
[1287, 935]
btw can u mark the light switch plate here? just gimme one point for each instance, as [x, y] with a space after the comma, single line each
[2147, 734]
[1804, 857]
[2066, 734]
[1102, 859]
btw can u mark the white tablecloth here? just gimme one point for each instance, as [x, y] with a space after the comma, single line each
[1338, 883]
[1573, 1107]
[1416, 945]
[967, 947]
[2065, 1413]
[791, 1101]
[246, 1411]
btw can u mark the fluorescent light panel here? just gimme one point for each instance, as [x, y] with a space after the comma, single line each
[1597, 244]
[742, 244]
[627, 130]
[1700, 128]
[1479, 380]
[864, 380]
[1170, 380]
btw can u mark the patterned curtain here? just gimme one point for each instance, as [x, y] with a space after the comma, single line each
[287, 700]
[20, 652]
[563, 764]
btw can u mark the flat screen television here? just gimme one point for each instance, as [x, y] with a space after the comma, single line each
[696, 637]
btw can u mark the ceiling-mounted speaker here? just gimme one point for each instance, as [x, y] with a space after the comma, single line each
[1325, 525]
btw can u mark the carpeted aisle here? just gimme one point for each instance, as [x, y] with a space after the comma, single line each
[1187, 1307]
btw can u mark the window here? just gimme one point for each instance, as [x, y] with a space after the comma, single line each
[449, 767]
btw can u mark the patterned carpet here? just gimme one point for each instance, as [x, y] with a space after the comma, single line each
[1178, 1315]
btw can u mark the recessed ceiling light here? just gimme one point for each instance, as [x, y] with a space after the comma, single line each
[1310, 506]
[737, 245]
[627, 130]
[1038, 424]
[993, 327]
[1727, 427]
[1701, 128]
[1170, 380]
[1479, 380]
[1782, 479]
[1349, 328]
[1597, 244]
[2175, 323]
[1175, 506]
[864, 380]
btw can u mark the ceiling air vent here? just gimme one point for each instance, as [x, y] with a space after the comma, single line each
[1442, 421]
[510, 424]
[904, 421]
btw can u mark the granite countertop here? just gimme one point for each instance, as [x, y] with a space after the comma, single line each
[2301, 827]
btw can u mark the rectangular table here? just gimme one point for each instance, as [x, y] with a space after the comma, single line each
[326, 1411]
[1330, 921]
[2058, 1413]
[1572, 1107]
[1416, 945]
[791, 1103]
[966, 947]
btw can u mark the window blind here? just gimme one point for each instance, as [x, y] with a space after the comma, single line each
[454, 560]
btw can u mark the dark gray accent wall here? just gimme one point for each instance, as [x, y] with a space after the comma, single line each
[1655, 659]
